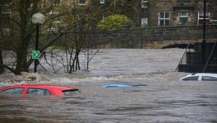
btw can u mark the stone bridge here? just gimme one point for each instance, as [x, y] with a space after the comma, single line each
[177, 43]
[156, 37]
[159, 37]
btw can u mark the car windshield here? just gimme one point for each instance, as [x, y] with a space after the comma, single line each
[191, 78]
[71, 92]
[13, 91]
[38, 92]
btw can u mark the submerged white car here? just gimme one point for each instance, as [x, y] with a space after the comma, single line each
[200, 77]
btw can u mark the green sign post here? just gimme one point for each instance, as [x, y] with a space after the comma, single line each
[36, 54]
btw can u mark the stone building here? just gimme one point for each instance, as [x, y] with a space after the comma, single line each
[5, 13]
[175, 12]
[162, 12]
[64, 2]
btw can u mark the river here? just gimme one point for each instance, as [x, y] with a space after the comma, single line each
[154, 95]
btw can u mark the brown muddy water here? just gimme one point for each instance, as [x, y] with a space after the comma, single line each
[154, 95]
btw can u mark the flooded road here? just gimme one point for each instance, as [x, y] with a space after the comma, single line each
[154, 95]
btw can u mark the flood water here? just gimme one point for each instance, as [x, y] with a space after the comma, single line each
[155, 94]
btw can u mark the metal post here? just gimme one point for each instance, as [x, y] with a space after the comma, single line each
[204, 33]
[102, 3]
[88, 52]
[36, 46]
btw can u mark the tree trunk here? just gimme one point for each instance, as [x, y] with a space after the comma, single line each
[77, 60]
[22, 52]
[1, 62]
[75, 63]
[21, 65]
[25, 37]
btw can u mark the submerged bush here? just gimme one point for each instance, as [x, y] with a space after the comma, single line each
[114, 22]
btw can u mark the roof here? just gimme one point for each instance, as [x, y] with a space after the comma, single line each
[205, 74]
[44, 86]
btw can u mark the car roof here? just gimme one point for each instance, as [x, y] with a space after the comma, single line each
[205, 74]
[43, 86]
[199, 74]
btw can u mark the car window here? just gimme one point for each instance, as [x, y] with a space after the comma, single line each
[39, 92]
[192, 78]
[13, 91]
[209, 78]
[71, 92]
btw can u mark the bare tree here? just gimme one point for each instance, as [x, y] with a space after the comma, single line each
[23, 31]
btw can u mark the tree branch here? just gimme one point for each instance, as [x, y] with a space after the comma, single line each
[7, 67]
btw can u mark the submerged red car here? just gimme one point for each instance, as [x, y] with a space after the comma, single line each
[38, 90]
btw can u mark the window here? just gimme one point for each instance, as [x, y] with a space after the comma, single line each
[102, 2]
[201, 17]
[82, 2]
[186, 1]
[52, 29]
[53, 12]
[183, 18]
[144, 22]
[6, 31]
[5, 9]
[71, 92]
[38, 92]
[209, 78]
[164, 19]
[14, 91]
[192, 78]
[144, 4]
[56, 2]
[55, 26]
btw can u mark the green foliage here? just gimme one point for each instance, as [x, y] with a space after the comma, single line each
[129, 8]
[114, 22]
